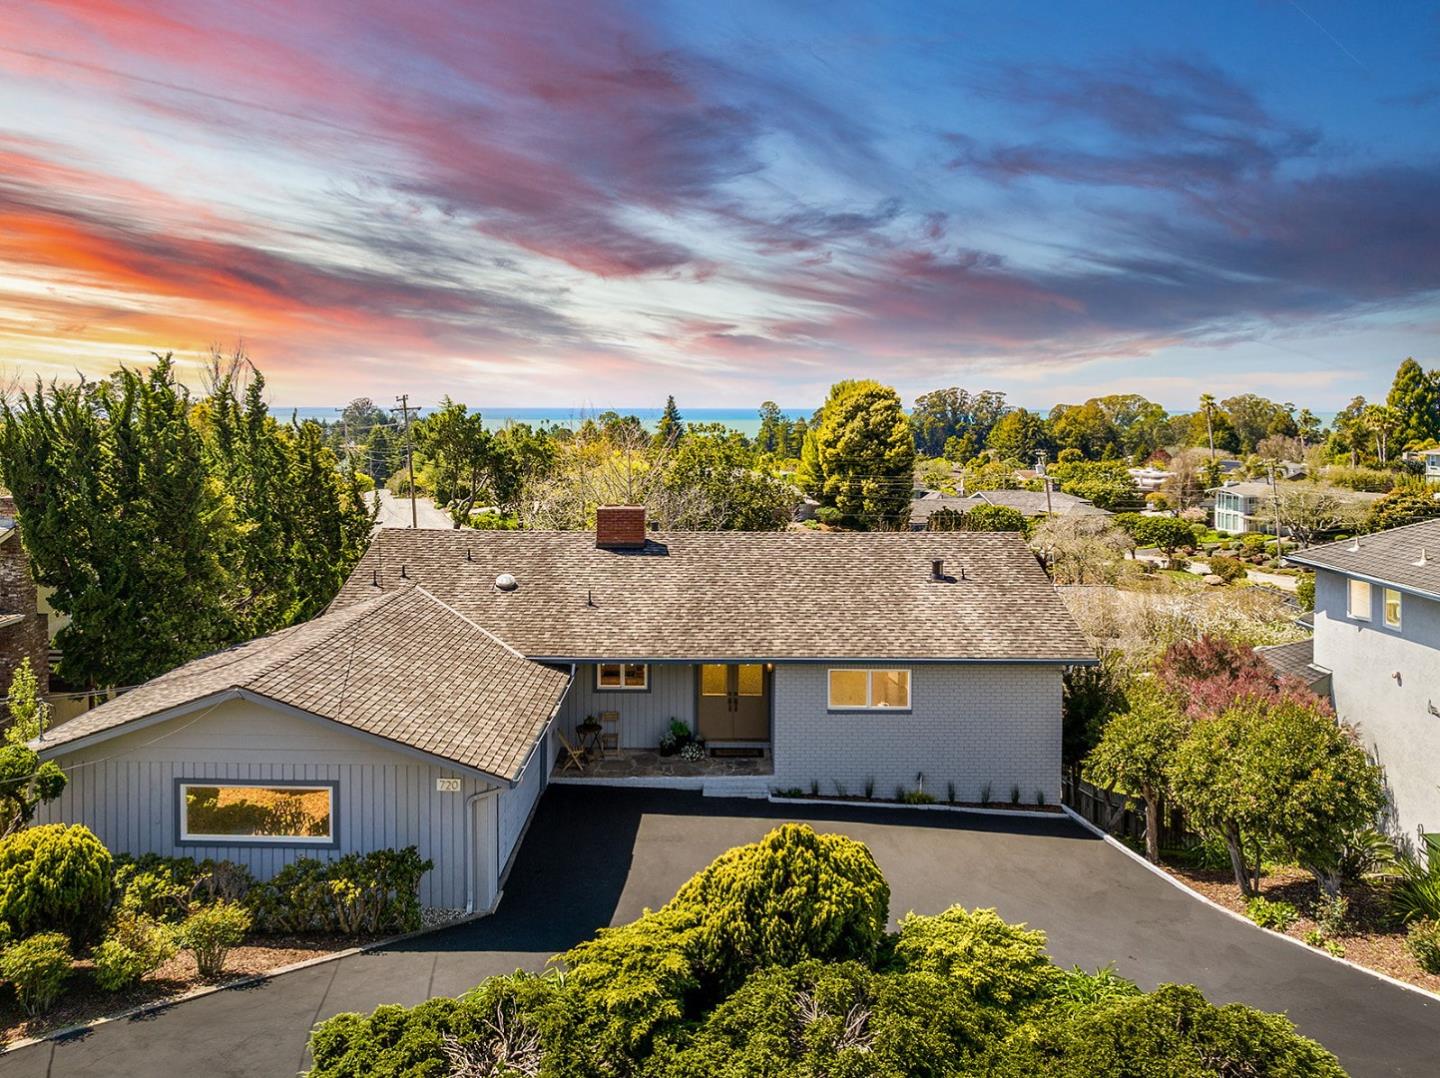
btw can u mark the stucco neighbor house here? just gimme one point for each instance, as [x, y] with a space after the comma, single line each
[1377, 633]
[431, 704]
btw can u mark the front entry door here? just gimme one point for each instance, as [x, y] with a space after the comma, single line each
[734, 702]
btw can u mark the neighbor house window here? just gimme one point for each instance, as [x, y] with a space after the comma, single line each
[226, 813]
[611, 676]
[1392, 608]
[1359, 607]
[857, 689]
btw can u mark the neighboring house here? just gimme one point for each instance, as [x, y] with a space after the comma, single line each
[1432, 465]
[428, 706]
[1377, 633]
[1243, 507]
[1297, 660]
[23, 627]
[1030, 503]
[1150, 479]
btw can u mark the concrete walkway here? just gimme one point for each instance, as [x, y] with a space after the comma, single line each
[599, 856]
[395, 512]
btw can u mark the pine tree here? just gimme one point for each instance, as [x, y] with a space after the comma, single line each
[860, 458]
[671, 426]
[771, 437]
[1414, 402]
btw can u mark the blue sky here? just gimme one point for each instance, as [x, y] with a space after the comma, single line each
[565, 202]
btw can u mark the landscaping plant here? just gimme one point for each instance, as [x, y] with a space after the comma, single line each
[136, 945]
[1423, 942]
[1136, 751]
[358, 894]
[1416, 896]
[37, 968]
[211, 932]
[1268, 913]
[774, 961]
[55, 878]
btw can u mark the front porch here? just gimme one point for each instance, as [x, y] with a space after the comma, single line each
[715, 776]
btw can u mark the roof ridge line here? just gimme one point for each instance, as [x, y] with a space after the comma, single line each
[382, 600]
[471, 622]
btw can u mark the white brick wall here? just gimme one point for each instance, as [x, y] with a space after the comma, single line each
[969, 724]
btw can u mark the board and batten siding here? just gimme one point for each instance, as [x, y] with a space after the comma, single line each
[518, 804]
[645, 714]
[971, 724]
[124, 789]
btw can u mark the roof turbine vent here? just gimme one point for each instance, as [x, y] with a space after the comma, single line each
[506, 582]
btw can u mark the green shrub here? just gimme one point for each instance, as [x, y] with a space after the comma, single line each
[1172, 1031]
[1423, 942]
[1271, 914]
[37, 968]
[1227, 568]
[55, 878]
[137, 945]
[1416, 897]
[1001, 965]
[1305, 591]
[917, 797]
[358, 894]
[210, 932]
[166, 887]
[1332, 914]
[793, 895]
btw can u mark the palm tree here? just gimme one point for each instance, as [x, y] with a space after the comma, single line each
[1207, 405]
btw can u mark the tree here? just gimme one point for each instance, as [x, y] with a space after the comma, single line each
[1405, 505]
[462, 457]
[771, 437]
[1081, 548]
[359, 417]
[1309, 428]
[1209, 673]
[25, 782]
[710, 484]
[1414, 401]
[671, 426]
[980, 518]
[1107, 483]
[1278, 771]
[1207, 407]
[122, 519]
[380, 454]
[1253, 418]
[1017, 435]
[1166, 534]
[1309, 514]
[955, 423]
[860, 459]
[1136, 750]
[1090, 696]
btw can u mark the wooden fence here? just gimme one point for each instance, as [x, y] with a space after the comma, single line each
[1124, 817]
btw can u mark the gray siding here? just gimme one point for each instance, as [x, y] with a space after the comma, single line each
[124, 790]
[969, 724]
[644, 716]
[517, 805]
[1392, 716]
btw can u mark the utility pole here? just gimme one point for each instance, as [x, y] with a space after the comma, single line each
[1044, 478]
[1275, 494]
[404, 410]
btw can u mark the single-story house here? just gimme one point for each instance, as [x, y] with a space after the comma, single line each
[1030, 503]
[431, 703]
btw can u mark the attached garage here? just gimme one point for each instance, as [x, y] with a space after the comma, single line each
[390, 723]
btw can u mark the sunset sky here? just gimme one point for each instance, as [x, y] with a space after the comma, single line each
[586, 202]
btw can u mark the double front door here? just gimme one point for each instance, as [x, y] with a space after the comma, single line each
[734, 702]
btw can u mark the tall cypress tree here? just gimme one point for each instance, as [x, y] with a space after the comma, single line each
[860, 457]
[1415, 401]
[671, 426]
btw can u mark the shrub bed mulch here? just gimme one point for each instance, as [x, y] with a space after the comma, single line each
[83, 1001]
[1370, 938]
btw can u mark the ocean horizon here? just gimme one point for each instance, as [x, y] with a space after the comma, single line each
[744, 420]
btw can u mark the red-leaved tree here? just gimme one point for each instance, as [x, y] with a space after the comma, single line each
[1211, 674]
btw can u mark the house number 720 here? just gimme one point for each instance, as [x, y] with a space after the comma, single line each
[447, 786]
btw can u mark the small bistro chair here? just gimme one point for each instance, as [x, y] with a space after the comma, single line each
[571, 757]
[609, 732]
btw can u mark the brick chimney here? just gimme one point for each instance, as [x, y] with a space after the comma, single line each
[620, 527]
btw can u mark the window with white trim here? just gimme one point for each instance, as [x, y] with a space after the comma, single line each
[621, 677]
[869, 690]
[1392, 608]
[228, 812]
[1358, 606]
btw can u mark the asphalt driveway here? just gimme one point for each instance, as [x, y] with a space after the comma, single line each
[600, 856]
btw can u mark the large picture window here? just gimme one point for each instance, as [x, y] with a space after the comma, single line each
[223, 812]
[856, 690]
[613, 677]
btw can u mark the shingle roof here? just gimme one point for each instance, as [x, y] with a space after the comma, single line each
[1391, 557]
[692, 596]
[1295, 659]
[400, 666]
[1030, 503]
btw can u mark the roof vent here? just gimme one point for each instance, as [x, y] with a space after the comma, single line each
[1422, 560]
[937, 569]
[506, 582]
[1354, 544]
